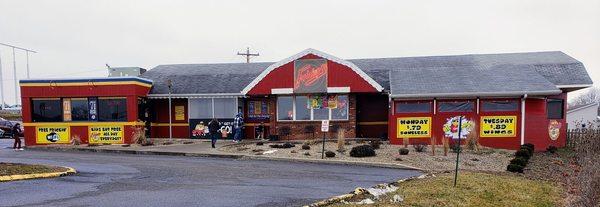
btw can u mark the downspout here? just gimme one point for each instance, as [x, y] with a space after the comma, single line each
[523, 119]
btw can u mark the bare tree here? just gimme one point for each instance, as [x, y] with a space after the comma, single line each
[592, 95]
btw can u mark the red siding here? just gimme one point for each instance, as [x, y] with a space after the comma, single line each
[536, 124]
[338, 76]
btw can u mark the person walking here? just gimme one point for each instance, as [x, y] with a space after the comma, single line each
[16, 131]
[213, 130]
[238, 124]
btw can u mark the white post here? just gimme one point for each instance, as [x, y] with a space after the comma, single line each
[15, 77]
[1, 84]
[170, 119]
[523, 119]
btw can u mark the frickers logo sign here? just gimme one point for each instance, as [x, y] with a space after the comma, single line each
[310, 76]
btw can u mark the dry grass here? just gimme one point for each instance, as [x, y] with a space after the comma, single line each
[20, 169]
[474, 189]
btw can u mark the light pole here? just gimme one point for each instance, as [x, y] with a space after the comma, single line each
[15, 71]
[1, 84]
[170, 118]
[15, 77]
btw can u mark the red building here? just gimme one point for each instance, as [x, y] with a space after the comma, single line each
[504, 99]
[98, 110]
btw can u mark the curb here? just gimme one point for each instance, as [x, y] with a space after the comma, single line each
[361, 191]
[6, 178]
[231, 156]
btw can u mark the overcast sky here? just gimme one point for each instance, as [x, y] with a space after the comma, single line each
[77, 38]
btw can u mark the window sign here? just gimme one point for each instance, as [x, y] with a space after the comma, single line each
[52, 135]
[414, 127]
[258, 111]
[179, 113]
[112, 134]
[93, 102]
[67, 109]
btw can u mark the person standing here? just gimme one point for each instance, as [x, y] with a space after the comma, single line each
[260, 131]
[213, 130]
[16, 131]
[238, 124]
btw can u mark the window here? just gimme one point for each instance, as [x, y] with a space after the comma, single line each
[112, 109]
[459, 106]
[46, 110]
[490, 106]
[297, 108]
[341, 112]
[413, 107]
[79, 109]
[554, 108]
[225, 107]
[200, 108]
[285, 108]
[302, 110]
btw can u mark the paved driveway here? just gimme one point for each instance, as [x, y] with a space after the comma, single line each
[146, 180]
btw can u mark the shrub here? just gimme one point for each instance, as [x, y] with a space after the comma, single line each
[362, 151]
[551, 149]
[530, 146]
[375, 144]
[260, 144]
[288, 145]
[524, 153]
[420, 147]
[329, 154]
[403, 151]
[519, 161]
[515, 168]
[75, 140]
[305, 147]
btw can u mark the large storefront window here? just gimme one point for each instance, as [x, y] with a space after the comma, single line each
[305, 108]
[47, 110]
[80, 110]
[207, 108]
[555, 108]
[458, 106]
[112, 109]
[413, 107]
[491, 106]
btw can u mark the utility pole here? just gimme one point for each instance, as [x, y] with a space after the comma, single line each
[248, 54]
[1, 84]
[27, 51]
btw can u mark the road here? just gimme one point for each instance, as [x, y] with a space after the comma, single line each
[148, 180]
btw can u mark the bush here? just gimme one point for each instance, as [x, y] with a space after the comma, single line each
[362, 151]
[260, 144]
[515, 168]
[375, 144]
[551, 149]
[403, 151]
[420, 147]
[524, 153]
[329, 154]
[530, 147]
[283, 146]
[455, 148]
[305, 147]
[519, 161]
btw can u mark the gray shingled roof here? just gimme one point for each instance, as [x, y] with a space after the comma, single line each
[405, 76]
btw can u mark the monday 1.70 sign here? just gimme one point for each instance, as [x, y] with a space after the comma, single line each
[498, 126]
[414, 127]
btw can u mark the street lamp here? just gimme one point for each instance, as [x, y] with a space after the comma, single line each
[170, 85]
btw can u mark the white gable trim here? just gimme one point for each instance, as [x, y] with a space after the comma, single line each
[272, 67]
[282, 90]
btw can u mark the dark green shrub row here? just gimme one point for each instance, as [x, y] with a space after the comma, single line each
[521, 159]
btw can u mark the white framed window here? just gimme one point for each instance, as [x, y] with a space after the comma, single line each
[207, 108]
[295, 108]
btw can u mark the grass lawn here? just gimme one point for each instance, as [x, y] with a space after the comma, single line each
[19, 169]
[474, 189]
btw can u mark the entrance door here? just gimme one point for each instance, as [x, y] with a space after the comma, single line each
[372, 116]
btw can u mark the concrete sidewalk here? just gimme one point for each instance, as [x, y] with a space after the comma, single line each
[201, 148]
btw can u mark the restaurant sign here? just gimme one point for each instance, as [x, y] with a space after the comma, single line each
[112, 134]
[310, 76]
[414, 127]
[498, 126]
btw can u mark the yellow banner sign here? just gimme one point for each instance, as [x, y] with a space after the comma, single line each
[112, 134]
[52, 135]
[498, 126]
[179, 113]
[414, 127]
